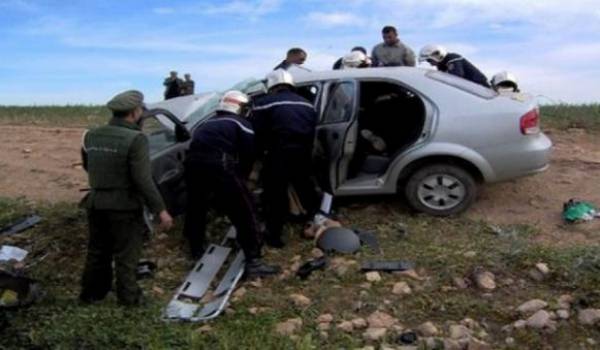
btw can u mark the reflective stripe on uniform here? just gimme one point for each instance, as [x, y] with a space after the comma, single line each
[83, 140]
[244, 128]
[284, 103]
[455, 60]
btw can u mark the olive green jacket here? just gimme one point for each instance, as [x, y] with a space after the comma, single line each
[117, 160]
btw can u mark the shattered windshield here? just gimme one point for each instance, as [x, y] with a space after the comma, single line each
[248, 86]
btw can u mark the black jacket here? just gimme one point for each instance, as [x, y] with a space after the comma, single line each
[457, 65]
[225, 138]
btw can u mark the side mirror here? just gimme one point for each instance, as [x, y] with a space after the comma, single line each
[181, 133]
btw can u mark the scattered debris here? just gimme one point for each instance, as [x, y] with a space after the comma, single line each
[289, 326]
[410, 273]
[21, 225]
[577, 211]
[387, 266]
[531, 306]
[8, 253]
[401, 288]
[312, 265]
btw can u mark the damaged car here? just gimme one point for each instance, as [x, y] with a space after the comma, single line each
[432, 137]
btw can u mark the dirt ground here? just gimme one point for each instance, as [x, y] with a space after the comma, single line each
[42, 164]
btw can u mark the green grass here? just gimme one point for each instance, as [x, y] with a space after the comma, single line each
[555, 116]
[437, 247]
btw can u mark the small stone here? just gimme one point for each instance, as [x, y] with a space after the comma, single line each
[460, 282]
[256, 283]
[296, 258]
[588, 317]
[162, 236]
[431, 343]
[289, 326]
[345, 326]
[366, 285]
[485, 280]
[410, 273]
[509, 341]
[536, 275]
[380, 319]
[428, 329]
[317, 253]
[253, 310]
[542, 268]
[565, 301]
[374, 333]
[359, 323]
[323, 335]
[373, 276]
[402, 347]
[476, 344]
[539, 320]
[204, 329]
[469, 323]
[563, 314]
[300, 300]
[591, 341]
[341, 270]
[324, 326]
[325, 318]
[158, 290]
[451, 344]
[531, 306]
[26, 150]
[459, 332]
[401, 288]
[520, 324]
[470, 254]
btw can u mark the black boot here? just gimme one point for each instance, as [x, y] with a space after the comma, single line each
[257, 268]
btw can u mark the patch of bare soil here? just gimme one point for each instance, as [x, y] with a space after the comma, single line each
[537, 200]
[41, 164]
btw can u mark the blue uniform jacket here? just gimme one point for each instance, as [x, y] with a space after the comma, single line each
[284, 120]
[457, 65]
[224, 137]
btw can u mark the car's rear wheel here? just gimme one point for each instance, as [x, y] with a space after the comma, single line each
[441, 190]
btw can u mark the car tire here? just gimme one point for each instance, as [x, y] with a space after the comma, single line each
[441, 190]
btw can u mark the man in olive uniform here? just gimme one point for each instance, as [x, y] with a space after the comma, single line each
[117, 160]
[188, 85]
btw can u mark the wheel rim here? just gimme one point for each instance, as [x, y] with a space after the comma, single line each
[441, 192]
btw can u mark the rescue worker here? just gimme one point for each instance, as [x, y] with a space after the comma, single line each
[118, 165]
[505, 82]
[285, 125]
[392, 52]
[356, 59]
[295, 56]
[187, 87]
[172, 85]
[217, 165]
[338, 64]
[452, 63]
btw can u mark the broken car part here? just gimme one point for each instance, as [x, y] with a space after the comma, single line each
[386, 266]
[192, 301]
[338, 239]
[21, 225]
[8, 252]
[312, 265]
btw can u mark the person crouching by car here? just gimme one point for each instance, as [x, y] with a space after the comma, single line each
[452, 63]
[217, 164]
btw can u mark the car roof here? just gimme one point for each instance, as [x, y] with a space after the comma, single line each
[398, 73]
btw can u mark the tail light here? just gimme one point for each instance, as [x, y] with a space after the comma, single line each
[530, 122]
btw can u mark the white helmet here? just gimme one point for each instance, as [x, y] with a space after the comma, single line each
[279, 77]
[435, 53]
[233, 101]
[355, 59]
[505, 80]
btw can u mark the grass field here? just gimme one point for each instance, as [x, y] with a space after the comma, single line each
[442, 249]
[553, 116]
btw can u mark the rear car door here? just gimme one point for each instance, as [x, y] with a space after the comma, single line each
[168, 139]
[337, 132]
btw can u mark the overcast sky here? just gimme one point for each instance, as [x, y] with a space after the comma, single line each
[85, 51]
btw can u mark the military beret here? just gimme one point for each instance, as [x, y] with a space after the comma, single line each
[126, 101]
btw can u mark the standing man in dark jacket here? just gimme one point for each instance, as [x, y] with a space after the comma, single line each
[173, 85]
[187, 87]
[392, 52]
[285, 126]
[452, 63]
[217, 165]
[118, 165]
[295, 56]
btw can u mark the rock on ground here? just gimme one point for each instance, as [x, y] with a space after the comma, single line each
[459, 332]
[325, 318]
[300, 300]
[428, 329]
[289, 326]
[380, 319]
[373, 276]
[374, 333]
[539, 320]
[401, 288]
[345, 326]
[485, 280]
[359, 323]
[531, 306]
[588, 317]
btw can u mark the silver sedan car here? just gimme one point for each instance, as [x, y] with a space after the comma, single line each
[431, 136]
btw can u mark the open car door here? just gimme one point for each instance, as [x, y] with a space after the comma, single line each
[168, 139]
[337, 133]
